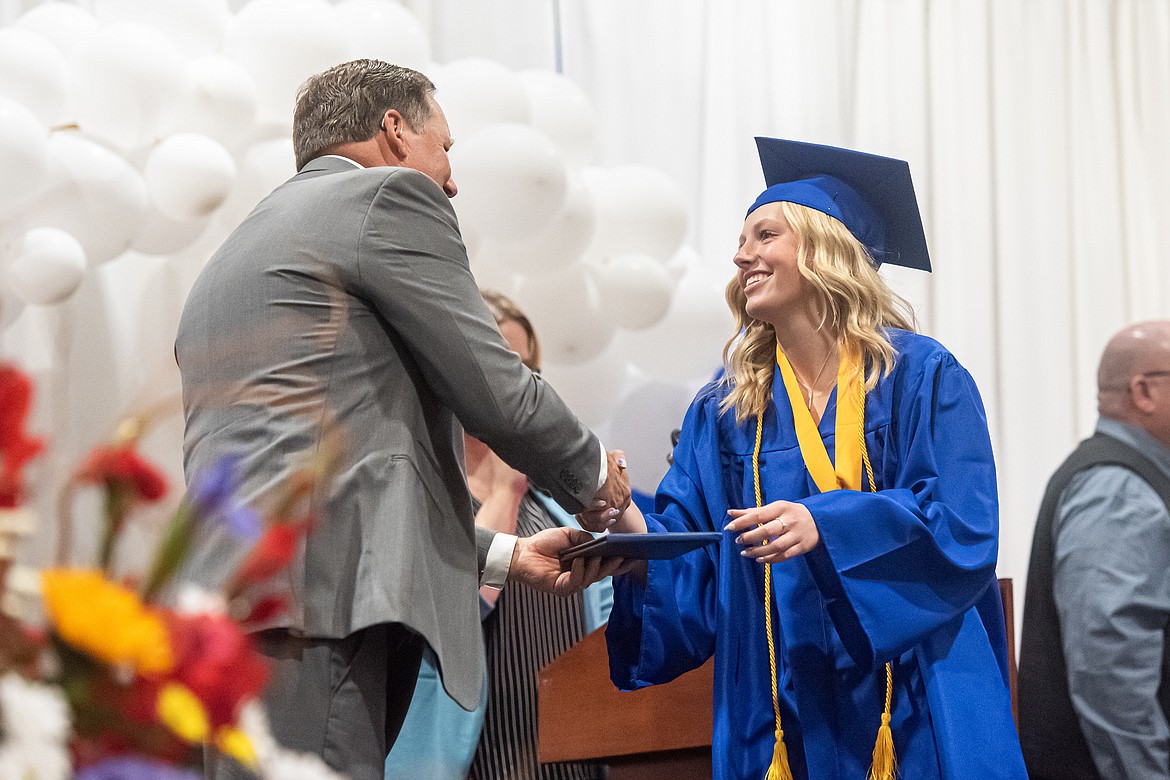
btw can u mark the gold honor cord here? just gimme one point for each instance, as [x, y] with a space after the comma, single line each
[778, 769]
[851, 456]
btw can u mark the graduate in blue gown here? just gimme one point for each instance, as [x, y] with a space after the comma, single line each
[852, 606]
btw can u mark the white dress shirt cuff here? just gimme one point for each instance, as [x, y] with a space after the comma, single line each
[499, 559]
[604, 475]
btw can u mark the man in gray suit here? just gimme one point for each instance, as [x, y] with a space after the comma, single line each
[346, 296]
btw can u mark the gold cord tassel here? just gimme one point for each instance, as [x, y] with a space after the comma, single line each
[885, 763]
[779, 769]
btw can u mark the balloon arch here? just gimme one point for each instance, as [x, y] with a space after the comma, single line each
[151, 127]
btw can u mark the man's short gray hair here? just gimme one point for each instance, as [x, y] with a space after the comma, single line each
[346, 104]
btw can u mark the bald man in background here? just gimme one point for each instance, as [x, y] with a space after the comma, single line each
[1094, 687]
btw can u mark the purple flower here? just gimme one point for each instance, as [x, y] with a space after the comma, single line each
[135, 768]
[212, 495]
[214, 487]
[243, 522]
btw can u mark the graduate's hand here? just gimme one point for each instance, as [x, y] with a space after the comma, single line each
[535, 562]
[613, 497]
[774, 532]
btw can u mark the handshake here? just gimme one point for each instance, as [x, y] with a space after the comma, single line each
[536, 561]
[612, 499]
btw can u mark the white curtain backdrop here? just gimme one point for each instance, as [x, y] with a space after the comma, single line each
[1036, 131]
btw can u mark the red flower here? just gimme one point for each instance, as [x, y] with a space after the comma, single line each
[216, 660]
[120, 466]
[264, 610]
[16, 447]
[113, 717]
[272, 553]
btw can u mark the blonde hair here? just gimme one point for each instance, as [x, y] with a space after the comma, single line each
[504, 309]
[854, 303]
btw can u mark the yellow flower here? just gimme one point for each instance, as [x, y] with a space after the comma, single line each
[183, 713]
[105, 620]
[236, 744]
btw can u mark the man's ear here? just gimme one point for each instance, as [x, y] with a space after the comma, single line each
[392, 127]
[1139, 393]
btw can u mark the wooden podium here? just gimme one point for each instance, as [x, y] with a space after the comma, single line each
[658, 733]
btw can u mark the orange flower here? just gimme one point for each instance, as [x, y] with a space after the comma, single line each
[106, 620]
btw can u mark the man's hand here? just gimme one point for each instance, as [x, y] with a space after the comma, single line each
[536, 564]
[613, 497]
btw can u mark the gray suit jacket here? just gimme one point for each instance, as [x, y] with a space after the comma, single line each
[346, 295]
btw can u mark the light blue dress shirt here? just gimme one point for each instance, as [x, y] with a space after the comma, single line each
[1112, 590]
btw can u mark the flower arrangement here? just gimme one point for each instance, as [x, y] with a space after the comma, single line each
[113, 684]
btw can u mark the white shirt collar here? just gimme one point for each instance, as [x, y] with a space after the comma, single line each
[355, 163]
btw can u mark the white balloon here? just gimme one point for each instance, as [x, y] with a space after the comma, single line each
[554, 247]
[281, 43]
[263, 167]
[472, 241]
[189, 175]
[33, 72]
[260, 132]
[65, 25]
[512, 181]
[688, 343]
[93, 194]
[11, 307]
[127, 79]
[384, 30]
[476, 93]
[24, 156]
[562, 111]
[591, 389]
[565, 312]
[47, 265]
[687, 258]
[635, 289]
[639, 209]
[197, 27]
[218, 99]
[490, 277]
[641, 425]
[162, 235]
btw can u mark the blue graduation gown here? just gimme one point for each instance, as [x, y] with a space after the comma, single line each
[906, 574]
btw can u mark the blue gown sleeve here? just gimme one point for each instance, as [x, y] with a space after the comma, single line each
[896, 565]
[666, 628]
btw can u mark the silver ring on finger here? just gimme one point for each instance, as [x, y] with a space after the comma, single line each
[783, 525]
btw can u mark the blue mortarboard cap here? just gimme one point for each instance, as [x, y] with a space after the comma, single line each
[871, 195]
